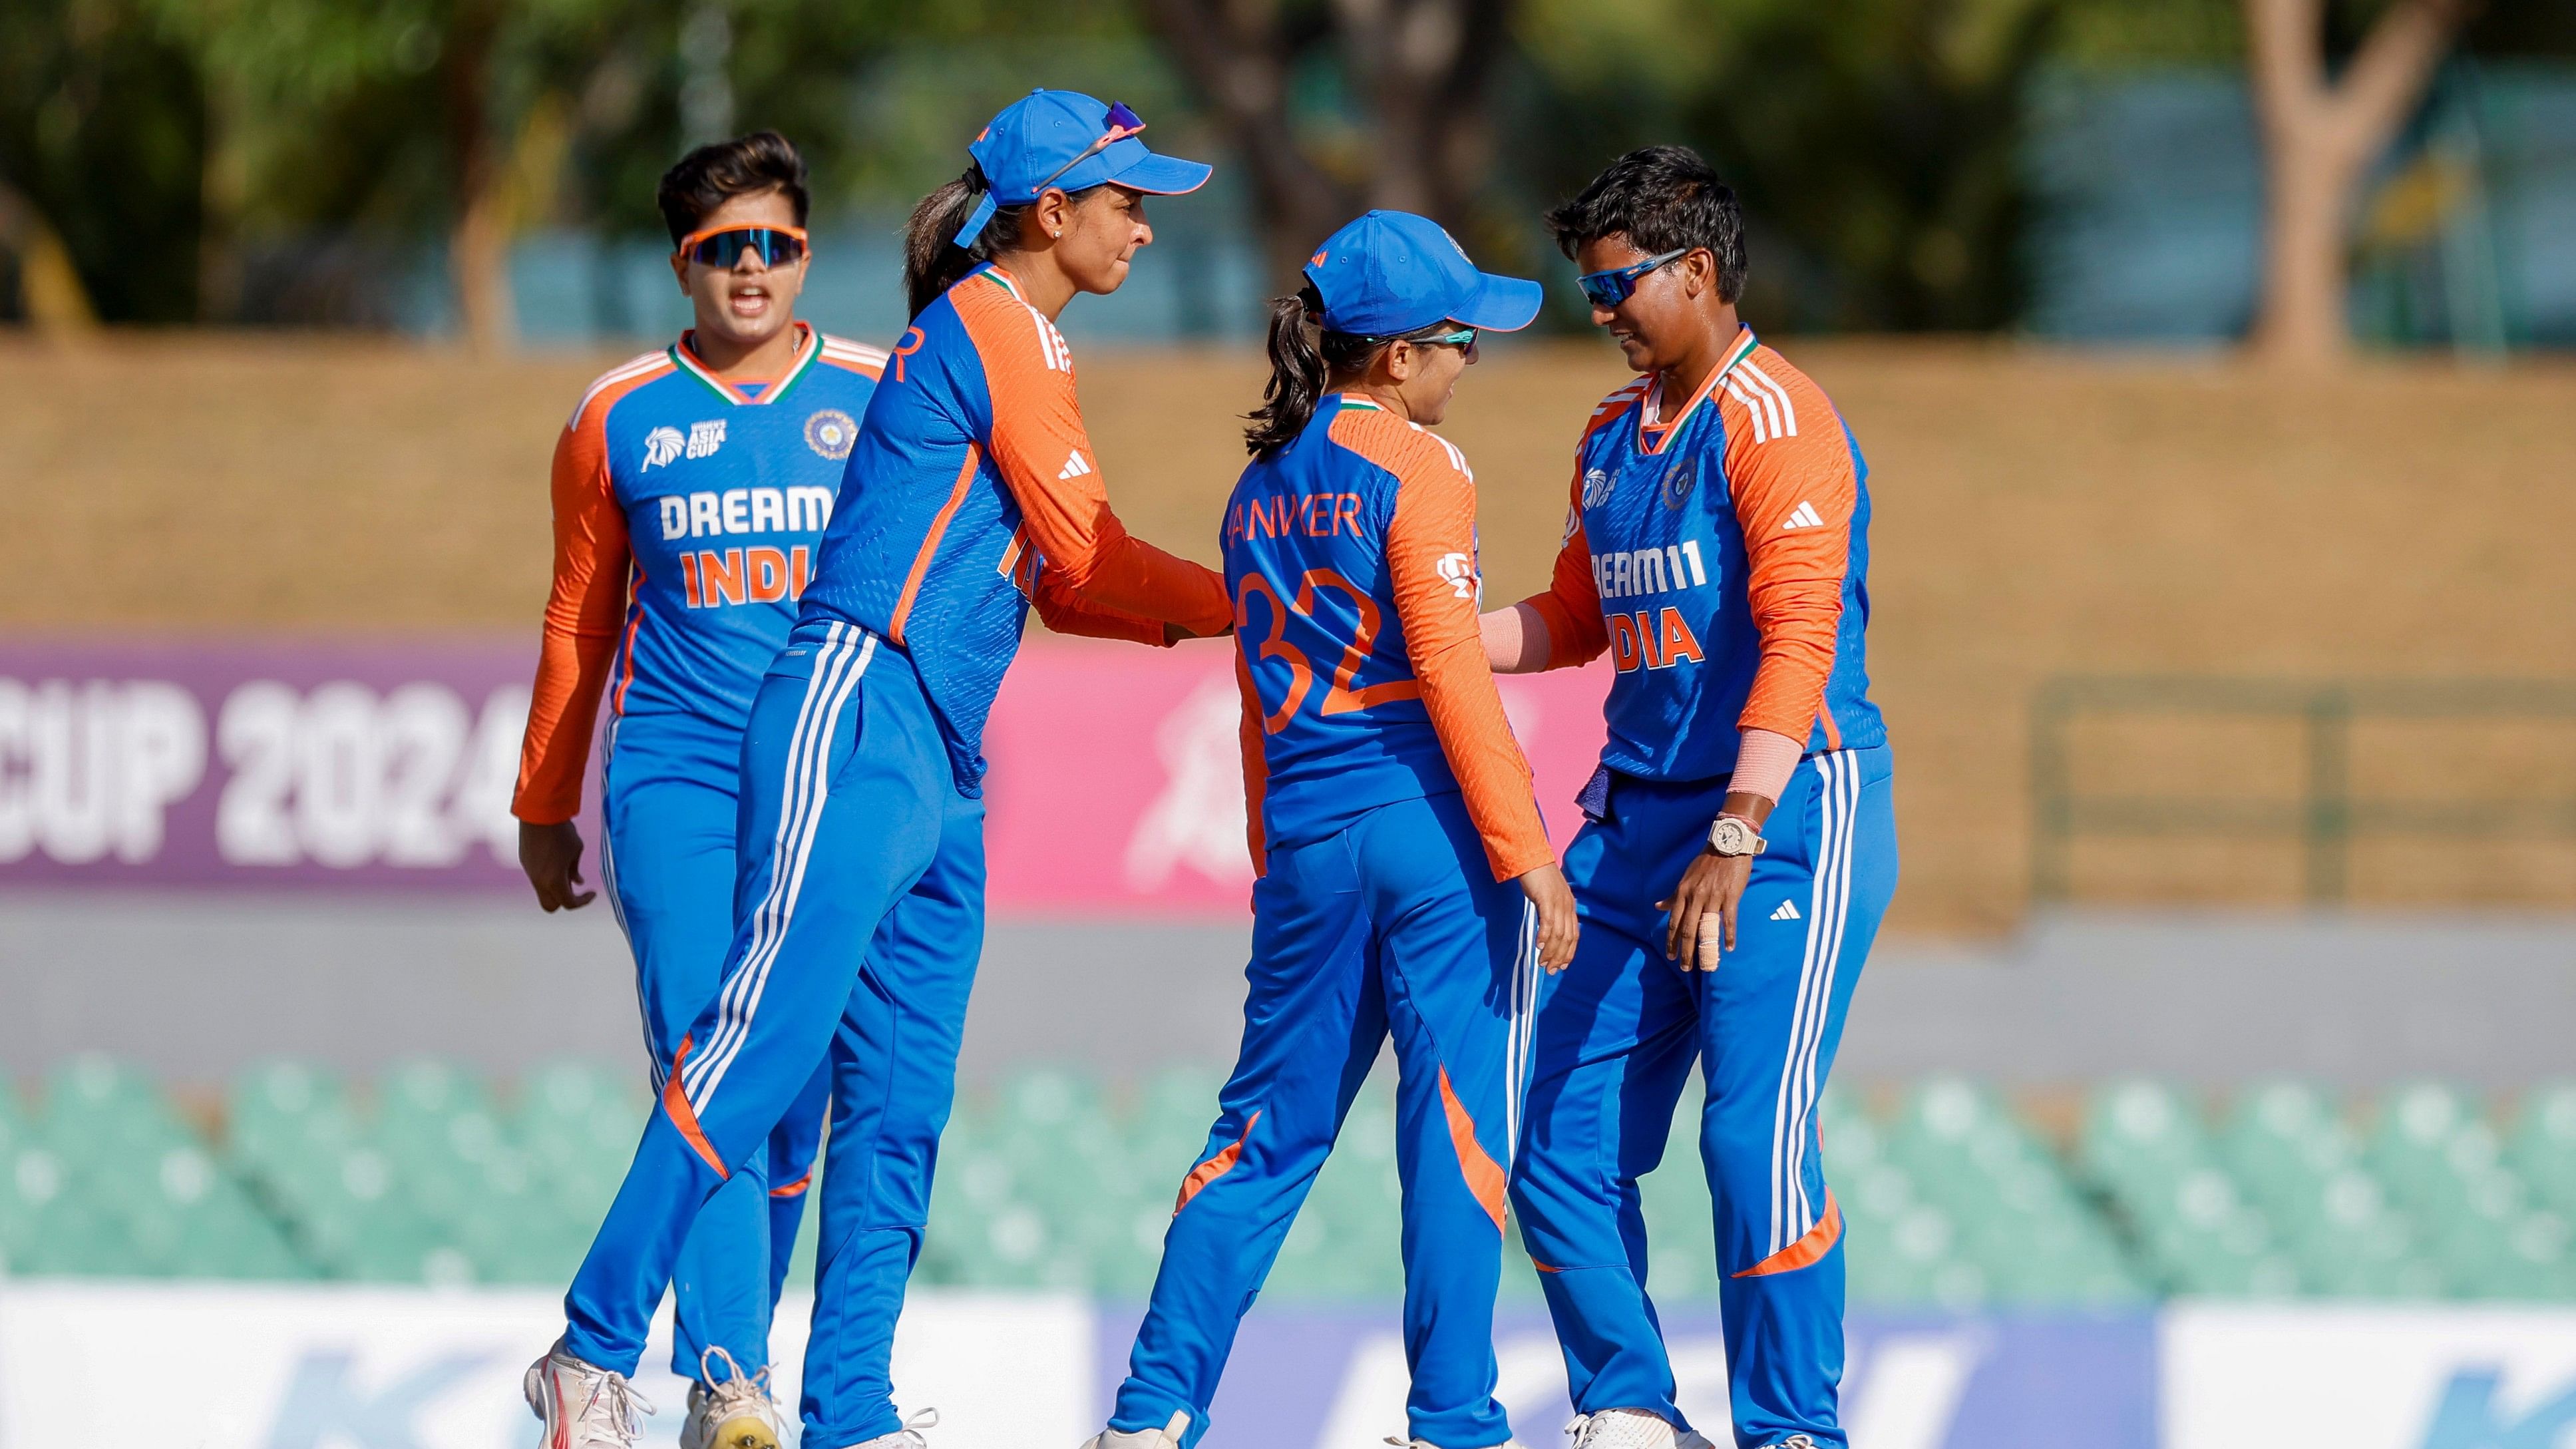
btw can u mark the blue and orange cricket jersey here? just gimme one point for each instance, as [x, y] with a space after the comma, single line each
[1720, 557]
[974, 492]
[1351, 558]
[688, 513]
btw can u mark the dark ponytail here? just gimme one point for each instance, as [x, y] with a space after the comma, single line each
[1305, 361]
[932, 260]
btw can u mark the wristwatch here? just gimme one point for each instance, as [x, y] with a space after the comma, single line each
[1735, 835]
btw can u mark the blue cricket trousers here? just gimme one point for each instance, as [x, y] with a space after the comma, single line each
[1616, 1036]
[666, 860]
[859, 910]
[1391, 926]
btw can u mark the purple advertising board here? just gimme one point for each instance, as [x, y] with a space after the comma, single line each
[287, 764]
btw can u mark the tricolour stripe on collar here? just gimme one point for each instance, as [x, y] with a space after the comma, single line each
[805, 356]
[1662, 432]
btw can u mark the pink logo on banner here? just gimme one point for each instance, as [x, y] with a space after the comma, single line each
[1116, 787]
[1117, 780]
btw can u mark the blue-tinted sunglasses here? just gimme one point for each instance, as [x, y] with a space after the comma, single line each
[1610, 288]
[723, 246]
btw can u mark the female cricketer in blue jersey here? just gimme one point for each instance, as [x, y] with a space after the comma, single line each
[1391, 820]
[971, 492]
[1717, 549]
[691, 487]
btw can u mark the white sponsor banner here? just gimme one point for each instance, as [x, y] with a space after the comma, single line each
[188, 1366]
[2322, 1377]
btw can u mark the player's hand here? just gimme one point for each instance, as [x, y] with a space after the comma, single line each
[1702, 909]
[551, 855]
[1557, 928]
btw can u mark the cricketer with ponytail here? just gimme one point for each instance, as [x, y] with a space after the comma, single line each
[1739, 847]
[1406, 887]
[971, 493]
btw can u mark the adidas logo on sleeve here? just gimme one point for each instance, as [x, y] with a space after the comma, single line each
[1074, 467]
[1803, 516]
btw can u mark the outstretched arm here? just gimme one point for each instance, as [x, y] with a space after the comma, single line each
[1561, 627]
[1044, 456]
[1435, 522]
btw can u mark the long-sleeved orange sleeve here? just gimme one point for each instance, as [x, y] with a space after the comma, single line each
[1044, 456]
[1794, 493]
[1571, 606]
[1431, 559]
[585, 609]
[1256, 766]
[1066, 612]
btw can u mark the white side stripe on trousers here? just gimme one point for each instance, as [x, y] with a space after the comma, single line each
[803, 791]
[1516, 1054]
[1829, 906]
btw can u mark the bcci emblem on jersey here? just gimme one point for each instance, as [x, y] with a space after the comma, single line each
[1677, 483]
[1596, 488]
[830, 433]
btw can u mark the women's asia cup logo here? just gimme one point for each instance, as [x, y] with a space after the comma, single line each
[830, 433]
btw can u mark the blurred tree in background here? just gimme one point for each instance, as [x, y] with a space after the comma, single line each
[300, 160]
[102, 143]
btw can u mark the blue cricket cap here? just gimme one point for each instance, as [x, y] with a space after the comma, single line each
[1391, 272]
[1068, 141]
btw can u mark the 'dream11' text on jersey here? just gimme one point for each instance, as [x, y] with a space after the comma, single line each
[688, 513]
[1720, 556]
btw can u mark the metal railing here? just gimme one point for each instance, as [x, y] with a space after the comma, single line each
[2324, 816]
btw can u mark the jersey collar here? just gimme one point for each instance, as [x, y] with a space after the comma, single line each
[1654, 435]
[685, 353]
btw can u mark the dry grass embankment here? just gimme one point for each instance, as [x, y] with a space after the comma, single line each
[2037, 513]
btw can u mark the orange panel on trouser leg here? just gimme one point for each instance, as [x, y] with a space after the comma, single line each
[1215, 1167]
[675, 1103]
[1484, 1176]
[1819, 1241]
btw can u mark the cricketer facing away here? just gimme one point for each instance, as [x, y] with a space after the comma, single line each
[1407, 888]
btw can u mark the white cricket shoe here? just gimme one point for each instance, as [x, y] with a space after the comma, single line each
[737, 1413]
[581, 1405]
[1166, 1437]
[910, 1436]
[1631, 1429]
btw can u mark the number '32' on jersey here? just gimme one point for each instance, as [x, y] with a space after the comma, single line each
[1720, 557]
[1351, 558]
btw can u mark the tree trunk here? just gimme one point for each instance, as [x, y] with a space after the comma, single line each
[49, 286]
[1423, 67]
[1238, 55]
[1426, 66]
[478, 245]
[2319, 140]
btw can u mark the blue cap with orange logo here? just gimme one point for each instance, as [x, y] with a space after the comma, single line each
[1068, 141]
[1391, 272]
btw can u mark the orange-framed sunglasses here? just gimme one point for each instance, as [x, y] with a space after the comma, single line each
[722, 246]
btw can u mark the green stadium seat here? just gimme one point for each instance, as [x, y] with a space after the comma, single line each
[278, 1112]
[105, 1119]
[2138, 1134]
[2542, 1144]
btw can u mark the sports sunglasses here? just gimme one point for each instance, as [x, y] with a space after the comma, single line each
[1123, 123]
[722, 246]
[1617, 285]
